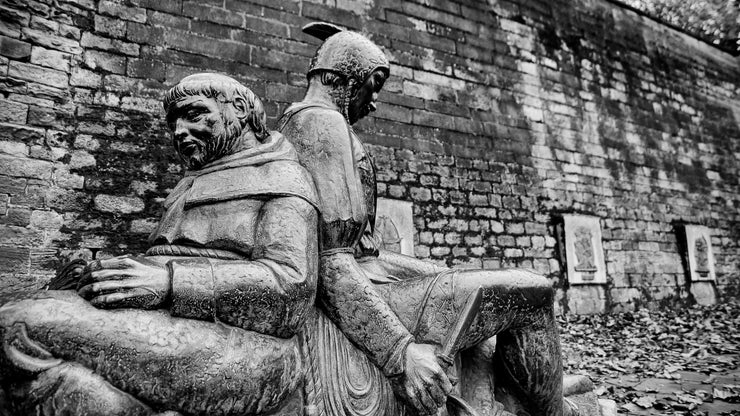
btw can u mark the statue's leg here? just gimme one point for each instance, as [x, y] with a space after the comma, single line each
[196, 367]
[517, 306]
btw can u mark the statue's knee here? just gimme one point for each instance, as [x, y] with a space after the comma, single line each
[21, 312]
[45, 308]
[525, 284]
[539, 287]
[539, 281]
[26, 328]
[13, 312]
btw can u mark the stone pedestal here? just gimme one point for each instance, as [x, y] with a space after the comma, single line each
[704, 293]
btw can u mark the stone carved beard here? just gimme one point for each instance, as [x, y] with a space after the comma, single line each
[224, 140]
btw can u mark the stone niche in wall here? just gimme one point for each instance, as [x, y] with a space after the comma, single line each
[394, 226]
[699, 262]
[699, 253]
[582, 253]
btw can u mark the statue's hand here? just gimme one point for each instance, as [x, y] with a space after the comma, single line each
[424, 384]
[126, 282]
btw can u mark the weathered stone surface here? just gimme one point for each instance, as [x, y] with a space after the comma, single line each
[84, 78]
[586, 299]
[704, 293]
[13, 48]
[608, 407]
[105, 61]
[118, 204]
[13, 112]
[50, 59]
[25, 168]
[46, 76]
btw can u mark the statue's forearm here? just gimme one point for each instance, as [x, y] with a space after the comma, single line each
[271, 293]
[255, 295]
[399, 265]
[351, 301]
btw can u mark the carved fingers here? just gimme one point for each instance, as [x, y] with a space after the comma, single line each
[139, 298]
[415, 395]
[126, 282]
[426, 385]
[107, 269]
[440, 388]
[121, 262]
[108, 286]
[426, 398]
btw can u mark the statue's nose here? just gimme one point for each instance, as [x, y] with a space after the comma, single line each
[181, 131]
[374, 102]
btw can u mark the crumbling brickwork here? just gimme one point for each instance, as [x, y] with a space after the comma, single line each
[499, 116]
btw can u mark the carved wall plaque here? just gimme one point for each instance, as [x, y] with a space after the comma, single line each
[699, 253]
[583, 250]
[394, 226]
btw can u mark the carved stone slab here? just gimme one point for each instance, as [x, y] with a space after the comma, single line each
[394, 225]
[700, 255]
[583, 249]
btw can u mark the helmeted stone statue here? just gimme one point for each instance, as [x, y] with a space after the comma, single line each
[206, 322]
[398, 310]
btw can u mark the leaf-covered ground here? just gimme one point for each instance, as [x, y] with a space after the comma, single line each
[684, 361]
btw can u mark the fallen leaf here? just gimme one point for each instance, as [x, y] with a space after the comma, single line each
[646, 401]
[615, 367]
[688, 398]
[728, 393]
[703, 394]
[630, 408]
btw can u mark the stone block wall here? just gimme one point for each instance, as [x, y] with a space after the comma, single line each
[499, 117]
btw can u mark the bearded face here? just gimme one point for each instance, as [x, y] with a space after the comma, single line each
[202, 131]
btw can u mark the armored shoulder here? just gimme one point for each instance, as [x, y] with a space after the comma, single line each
[317, 132]
[322, 138]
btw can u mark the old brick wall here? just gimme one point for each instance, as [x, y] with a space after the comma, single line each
[499, 117]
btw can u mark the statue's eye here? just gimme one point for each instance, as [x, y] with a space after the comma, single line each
[194, 114]
[378, 85]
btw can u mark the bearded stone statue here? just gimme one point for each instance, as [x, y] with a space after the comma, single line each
[205, 322]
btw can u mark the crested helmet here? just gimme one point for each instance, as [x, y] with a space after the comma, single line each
[346, 53]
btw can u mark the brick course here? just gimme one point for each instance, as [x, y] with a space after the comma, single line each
[499, 116]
